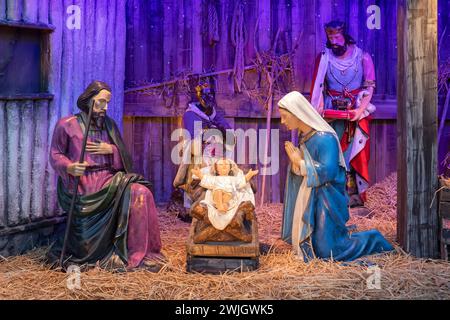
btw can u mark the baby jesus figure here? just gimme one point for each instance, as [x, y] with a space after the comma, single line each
[227, 187]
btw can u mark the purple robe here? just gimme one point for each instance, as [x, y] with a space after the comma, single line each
[143, 240]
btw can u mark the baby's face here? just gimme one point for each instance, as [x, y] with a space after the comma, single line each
[223, 167]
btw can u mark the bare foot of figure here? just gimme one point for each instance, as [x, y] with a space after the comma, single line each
[152, 265]
[115, 264]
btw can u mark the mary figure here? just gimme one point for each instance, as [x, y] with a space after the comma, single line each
[316, 204]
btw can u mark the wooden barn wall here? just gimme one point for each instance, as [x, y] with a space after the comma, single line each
[443, 58]
[148, 140]
[444, 30]
[151, 146]
[167, 39]
[96, 51]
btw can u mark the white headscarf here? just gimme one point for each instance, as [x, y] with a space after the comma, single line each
[296, 103]
[300, 107]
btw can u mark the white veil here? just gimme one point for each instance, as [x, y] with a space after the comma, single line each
[300, 107]
[297, 104]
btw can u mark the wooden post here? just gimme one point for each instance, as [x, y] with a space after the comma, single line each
[417, 127]
[266, 146]
[264, 36]
[196, 46]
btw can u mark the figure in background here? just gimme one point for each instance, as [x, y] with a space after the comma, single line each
[115, 222]
[200, 151]
[344, 79]
[316, 205]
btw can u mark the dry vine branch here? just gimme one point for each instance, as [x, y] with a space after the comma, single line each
[274, 68]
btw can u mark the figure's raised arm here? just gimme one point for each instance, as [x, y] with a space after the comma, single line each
[250, 174]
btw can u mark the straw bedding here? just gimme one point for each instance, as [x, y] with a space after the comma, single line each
[281, 275]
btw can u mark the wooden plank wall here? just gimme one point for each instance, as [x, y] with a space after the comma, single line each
[444, 24]
[166, 40]
[443, 57]
[148, 140]
[24, 139]
[96, 51]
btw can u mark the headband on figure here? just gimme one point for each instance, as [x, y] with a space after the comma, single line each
[335, 27]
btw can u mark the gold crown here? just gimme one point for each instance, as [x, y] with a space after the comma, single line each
[199, 88]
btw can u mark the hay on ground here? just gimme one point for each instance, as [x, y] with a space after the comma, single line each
[281, 275]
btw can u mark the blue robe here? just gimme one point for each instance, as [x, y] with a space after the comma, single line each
[325, 234]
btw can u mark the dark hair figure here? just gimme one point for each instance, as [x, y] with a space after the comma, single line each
[201, 117]
[115, 222]
[337, 27]
[83, 101]
[342, 88]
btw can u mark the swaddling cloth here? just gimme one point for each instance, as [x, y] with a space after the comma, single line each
[235, 185]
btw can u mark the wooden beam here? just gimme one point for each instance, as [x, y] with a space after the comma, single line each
[26, 25]
[3, 168]
[170, 82]
[32, 96]
[237, 106]
[417, 127]
[32, 226]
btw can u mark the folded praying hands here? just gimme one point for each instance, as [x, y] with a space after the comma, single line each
[294, 153]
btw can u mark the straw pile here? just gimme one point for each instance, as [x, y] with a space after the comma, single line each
[281, 275]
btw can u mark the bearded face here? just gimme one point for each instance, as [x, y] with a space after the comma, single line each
[339, 50]
[98, 118]
[337, 44]
[100, 108]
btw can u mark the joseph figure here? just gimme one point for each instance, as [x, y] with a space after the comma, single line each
[115, 222]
